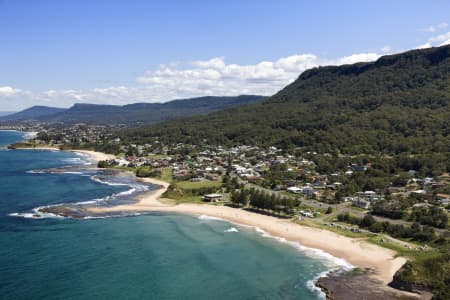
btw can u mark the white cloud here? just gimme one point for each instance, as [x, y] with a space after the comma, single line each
[7, 91]
[440, 38]
[434, 28]
[386, 49]
[216, 77]
[423, 46]
[363, 57]
[190, 79]
[437, 40]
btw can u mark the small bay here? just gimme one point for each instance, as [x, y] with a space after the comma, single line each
[155, 256]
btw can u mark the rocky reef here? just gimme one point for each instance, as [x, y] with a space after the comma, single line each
[358, 284]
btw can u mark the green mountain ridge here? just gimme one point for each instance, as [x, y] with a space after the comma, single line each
[33, 112]
[129, 115]
[399, 103]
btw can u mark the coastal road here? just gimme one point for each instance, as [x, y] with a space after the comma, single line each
[339, 208]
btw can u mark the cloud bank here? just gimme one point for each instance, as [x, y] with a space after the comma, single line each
[434, 28]
[209, 77]
[184, 80]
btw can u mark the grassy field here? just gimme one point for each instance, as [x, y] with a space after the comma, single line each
[321, 210]
[347, 233]
[159, 156]
[190, 192]
[166, 175]
[188, 185]
[189, 199]
[378, 239]
[399, 247]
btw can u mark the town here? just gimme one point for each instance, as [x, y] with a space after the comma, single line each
[316, 189]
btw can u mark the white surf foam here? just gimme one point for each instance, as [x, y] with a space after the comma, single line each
[325, 257]
[95, 178]
[330, 261]
[70, 172]
[72, 160]
[311, 284]
[210, 218]
[129, 192]
[35, 172]
[36, 214]
[231, 229]
[55, 172]
[128, 214]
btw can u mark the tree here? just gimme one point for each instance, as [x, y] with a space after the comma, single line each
[376, 227]
[367, 221]
[236, 197]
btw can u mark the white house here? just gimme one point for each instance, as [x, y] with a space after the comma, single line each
[308, 190]
[359, 202]
[213, 197]
[294, 190]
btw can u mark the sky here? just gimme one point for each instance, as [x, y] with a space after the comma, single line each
[57, 53]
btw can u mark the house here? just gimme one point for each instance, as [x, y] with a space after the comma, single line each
[361, 203]
[442, 196]
[308, 190]
[428, 180]
[211, 176]
[443, 199]
[419, 192]
[213, 197]
[423, 205]
[294, 190]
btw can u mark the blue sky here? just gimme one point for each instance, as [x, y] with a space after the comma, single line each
[61, 52]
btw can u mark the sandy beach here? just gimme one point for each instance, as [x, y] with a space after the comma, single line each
[355, 251]
[93, 155]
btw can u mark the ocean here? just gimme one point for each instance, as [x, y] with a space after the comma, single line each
[153, 256]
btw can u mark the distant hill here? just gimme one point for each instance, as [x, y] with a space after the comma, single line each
[399, 103]
[5, 113]
[132, 114]
[32, 113]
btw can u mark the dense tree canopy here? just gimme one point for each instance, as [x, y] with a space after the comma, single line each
[398, 104]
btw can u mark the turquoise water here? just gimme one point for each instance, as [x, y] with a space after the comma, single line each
[155, 256]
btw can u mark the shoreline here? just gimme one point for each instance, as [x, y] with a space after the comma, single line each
[357, 252]
[94, 156]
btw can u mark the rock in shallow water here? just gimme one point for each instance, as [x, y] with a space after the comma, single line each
[358, 284]
[65, 211]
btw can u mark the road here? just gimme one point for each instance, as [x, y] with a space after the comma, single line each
[339, 208]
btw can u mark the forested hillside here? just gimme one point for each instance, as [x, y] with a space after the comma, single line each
[398, 104]
[132, 114]
[34, 112]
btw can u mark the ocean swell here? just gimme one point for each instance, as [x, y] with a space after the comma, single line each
[331, 262]
[76, 209]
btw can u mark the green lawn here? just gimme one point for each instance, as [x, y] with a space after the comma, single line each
[188, 192]
[322, 210]
[166, 175]
[397, 246]
[158, 156]
[189, 199]
[188, 185]
[357, 208]
[400, 248]
[347, 233]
